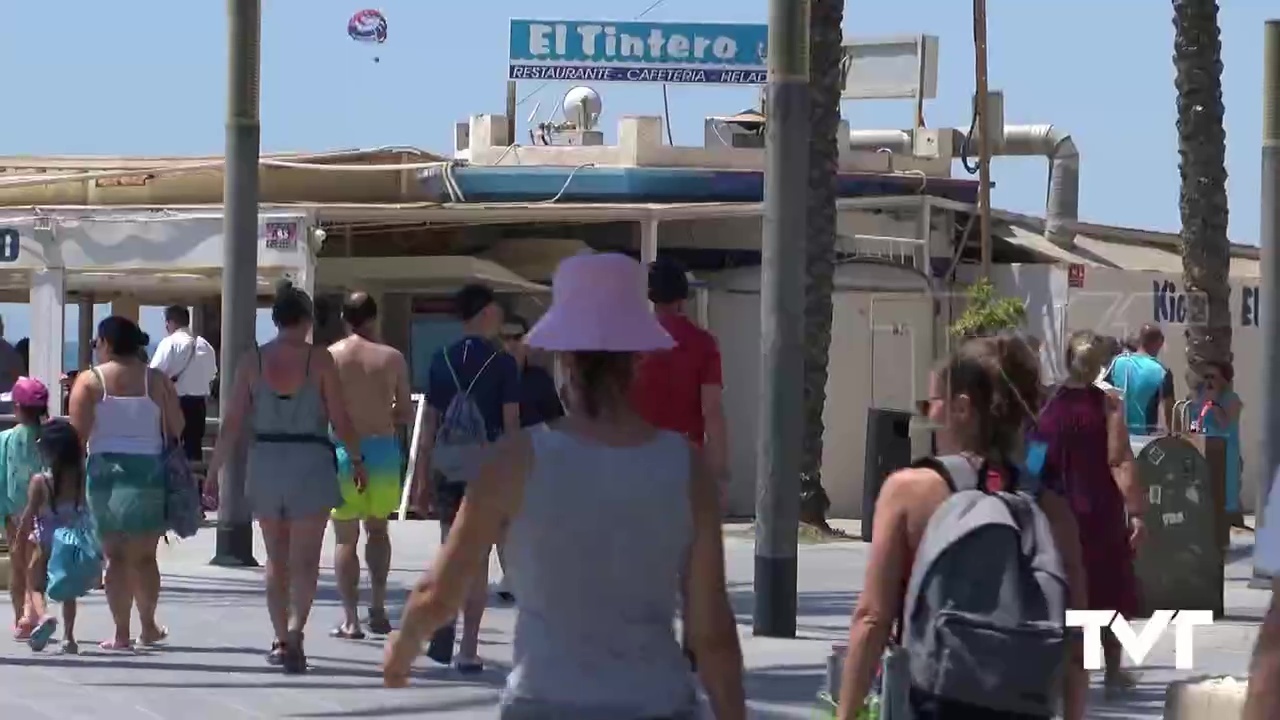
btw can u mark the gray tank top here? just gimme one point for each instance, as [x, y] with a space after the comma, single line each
[595, 557]
[297, 417]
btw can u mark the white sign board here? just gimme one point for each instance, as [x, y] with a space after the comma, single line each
[890, 68]
[415, 438]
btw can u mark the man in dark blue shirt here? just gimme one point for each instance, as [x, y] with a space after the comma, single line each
[539, 399]
[478, 365]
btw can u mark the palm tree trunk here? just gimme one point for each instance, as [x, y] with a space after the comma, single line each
[1206, 251]
[825, 80]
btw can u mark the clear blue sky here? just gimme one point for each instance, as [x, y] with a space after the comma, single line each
[148, 77]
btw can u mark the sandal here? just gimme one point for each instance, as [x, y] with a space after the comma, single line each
[344, 632]
[379, 624]
[43, 633]
[69, 647]
[276, 655]
[1119, 682]
[294, 660]
[162, 634]
[115, 646]
[468, 666]
[22, 631]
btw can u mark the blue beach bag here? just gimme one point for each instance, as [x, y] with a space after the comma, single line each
[75, 563]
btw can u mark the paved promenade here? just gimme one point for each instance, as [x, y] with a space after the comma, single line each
[214, 667]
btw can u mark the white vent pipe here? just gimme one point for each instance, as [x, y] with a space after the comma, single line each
[1062, 206]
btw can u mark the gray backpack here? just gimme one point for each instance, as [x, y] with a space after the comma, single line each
[462, 440]
[985, 610]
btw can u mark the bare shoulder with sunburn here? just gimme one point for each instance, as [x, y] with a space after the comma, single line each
[367, 372]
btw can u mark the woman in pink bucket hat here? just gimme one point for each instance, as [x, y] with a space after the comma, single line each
[606, 514]
[19, 460]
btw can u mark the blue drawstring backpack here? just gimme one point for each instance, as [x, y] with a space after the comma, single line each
[75, 562]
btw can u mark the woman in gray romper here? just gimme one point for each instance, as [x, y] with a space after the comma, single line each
[288, 391]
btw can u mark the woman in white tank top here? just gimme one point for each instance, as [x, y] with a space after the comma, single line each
[120, 408]
[610, 520]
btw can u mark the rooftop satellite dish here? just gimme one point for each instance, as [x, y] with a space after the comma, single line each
[582, 107]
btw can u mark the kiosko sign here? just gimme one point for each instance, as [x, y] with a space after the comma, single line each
[710, 53]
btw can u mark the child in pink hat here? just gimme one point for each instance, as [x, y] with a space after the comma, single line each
[606, 514]
[19, 460]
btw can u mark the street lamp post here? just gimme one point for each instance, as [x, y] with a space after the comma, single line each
[1270, 241]
[782, 278]
[239, 260]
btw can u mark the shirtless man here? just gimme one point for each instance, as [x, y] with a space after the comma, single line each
[375, 383]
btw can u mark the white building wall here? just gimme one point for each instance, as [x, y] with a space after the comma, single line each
[881, 352]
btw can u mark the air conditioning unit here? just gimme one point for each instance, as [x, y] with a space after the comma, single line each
[744, 130]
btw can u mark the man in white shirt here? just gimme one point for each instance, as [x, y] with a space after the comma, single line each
[192, 365]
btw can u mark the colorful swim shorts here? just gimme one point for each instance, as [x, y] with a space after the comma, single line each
[383, 461]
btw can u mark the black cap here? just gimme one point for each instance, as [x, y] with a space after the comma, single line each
[668, 281]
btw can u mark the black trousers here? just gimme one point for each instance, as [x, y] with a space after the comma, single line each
[195, 416]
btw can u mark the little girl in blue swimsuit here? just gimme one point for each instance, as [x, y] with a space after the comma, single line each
[56, 499]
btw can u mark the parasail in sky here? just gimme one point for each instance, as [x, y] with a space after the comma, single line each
[368, 26]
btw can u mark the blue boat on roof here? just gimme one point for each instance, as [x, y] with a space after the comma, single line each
[590, 184]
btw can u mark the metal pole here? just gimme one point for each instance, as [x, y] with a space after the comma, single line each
[1270, 240]
[239, 259]
[984, 132]
[782, 278]
[511, 113]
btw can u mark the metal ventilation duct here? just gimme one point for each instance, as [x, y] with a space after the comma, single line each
[1062, 208]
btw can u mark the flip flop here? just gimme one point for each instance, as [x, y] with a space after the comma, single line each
[157, 640]
[43, 633]
[22, 631]
[112, 646]
[344, 633]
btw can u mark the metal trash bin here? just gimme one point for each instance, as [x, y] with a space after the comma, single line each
[1179, 565]
[888, 449]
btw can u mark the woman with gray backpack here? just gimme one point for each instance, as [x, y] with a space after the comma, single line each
[972, 566]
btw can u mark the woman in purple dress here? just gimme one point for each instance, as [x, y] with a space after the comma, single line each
[1090, 461]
